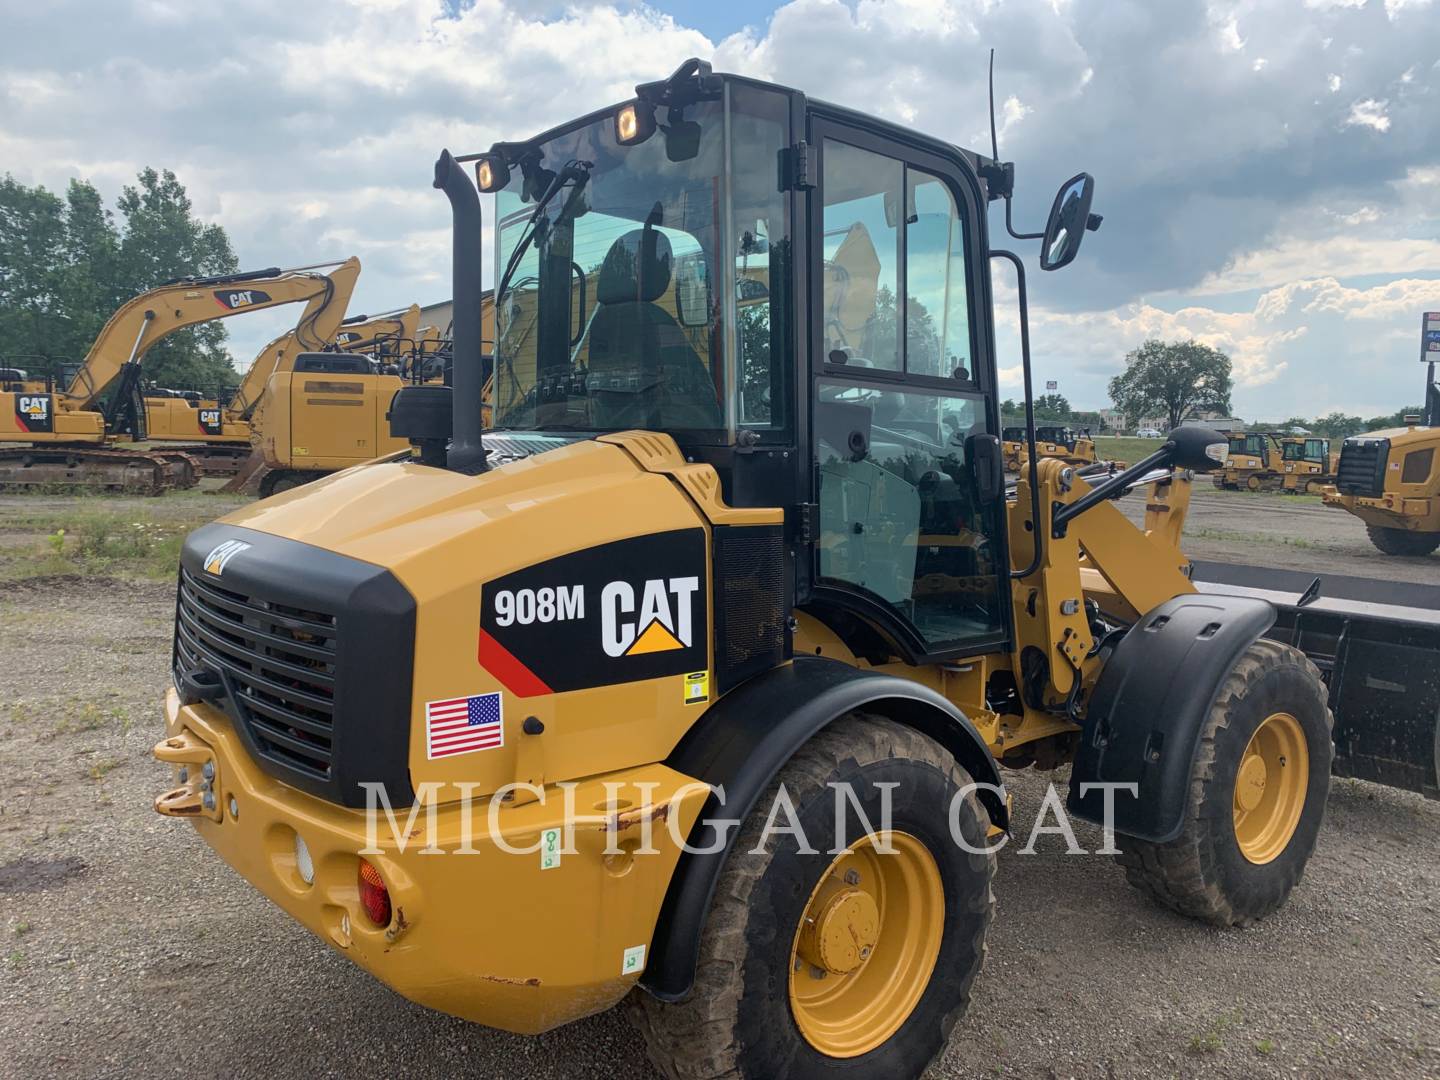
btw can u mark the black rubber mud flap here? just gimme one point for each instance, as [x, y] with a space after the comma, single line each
[1146, 712]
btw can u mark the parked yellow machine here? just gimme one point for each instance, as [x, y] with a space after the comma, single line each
[1254, 463]
[67, 439]
[1390, 480]
[216, 435]
[676, 580]
[329, 410]
[1307, 464]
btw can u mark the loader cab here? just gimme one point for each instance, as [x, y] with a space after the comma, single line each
[800, 296]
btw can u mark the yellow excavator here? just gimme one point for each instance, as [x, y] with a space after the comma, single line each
[695, 673]
[68, 438]
[329, 411]
[218, 436]
[1390, 480]
[326, 409]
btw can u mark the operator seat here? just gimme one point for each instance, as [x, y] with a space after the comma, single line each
[643, 372]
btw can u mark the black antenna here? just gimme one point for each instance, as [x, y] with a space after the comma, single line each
[994, 141]
[1001, 177]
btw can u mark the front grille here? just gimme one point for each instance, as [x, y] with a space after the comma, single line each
[1362, 467]
[278, 663]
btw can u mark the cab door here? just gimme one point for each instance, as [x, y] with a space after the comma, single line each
[910, 534]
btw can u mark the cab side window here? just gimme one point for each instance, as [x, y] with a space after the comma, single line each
[894, 270]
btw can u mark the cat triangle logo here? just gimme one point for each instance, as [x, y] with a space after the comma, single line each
[222, 554]
[655, 638]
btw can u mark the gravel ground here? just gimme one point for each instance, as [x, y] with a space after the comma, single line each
[1287, 532]
[129, 949]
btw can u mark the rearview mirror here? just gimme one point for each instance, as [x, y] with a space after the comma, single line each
[1198, 448]
[1069, 218]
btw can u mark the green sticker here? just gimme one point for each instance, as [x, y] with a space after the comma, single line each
[634, 961]
[549, 849]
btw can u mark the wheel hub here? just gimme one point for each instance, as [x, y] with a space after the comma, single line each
[842, 935]
[1250, 784]
[1270, 788]
[866, 944]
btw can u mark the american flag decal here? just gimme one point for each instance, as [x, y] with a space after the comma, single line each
[462, 725]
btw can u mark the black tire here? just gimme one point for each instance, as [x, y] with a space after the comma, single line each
[1203, 873]
[281, 480]
[737, 1021]
[1402, 541]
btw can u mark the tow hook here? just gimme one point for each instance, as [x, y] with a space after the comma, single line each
[198, 793]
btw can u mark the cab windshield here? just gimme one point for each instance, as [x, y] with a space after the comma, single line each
[653, 293]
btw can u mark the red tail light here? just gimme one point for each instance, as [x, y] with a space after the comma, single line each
[374, 897]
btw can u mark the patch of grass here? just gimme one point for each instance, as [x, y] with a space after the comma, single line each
[1129, 450]
[101, 535]
[89, 717]
[1266, 1047]
[101, 768]
[1211, 1040]
[22, 928]
[1250, 537]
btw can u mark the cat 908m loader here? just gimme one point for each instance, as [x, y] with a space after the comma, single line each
[625, 652]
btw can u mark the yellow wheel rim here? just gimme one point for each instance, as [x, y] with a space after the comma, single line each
[1270, 788]
[866, 944]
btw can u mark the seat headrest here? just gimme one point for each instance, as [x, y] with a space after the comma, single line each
[637, 267]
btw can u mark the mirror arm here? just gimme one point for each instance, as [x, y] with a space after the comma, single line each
[1015, 261]
[1011, 228]
[1105, 489]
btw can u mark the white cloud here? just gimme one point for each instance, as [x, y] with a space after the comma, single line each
[308, 131]
[1369, 113]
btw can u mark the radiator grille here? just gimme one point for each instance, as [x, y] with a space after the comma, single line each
[1362, 467]
[752, 603]
[278, 664]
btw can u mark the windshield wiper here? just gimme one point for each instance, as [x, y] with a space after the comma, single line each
[576, 172]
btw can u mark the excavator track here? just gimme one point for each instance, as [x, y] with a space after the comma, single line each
[214, 459]
[139, 472]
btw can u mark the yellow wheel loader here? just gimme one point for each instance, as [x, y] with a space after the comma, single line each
[692, 678]
[55, 438]
[1390, 480]
[217, 431]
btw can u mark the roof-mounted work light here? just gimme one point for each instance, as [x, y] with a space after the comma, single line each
[634, 123]
[491, 173]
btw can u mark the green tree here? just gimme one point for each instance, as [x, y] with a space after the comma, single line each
[1175, 378]
[163, 241]
[91, 283]
[1337, 425]
[32, 245]
[1052, 407]
[65, 266]
[1395, 419]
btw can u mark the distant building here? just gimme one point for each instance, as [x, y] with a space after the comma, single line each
[439, 316]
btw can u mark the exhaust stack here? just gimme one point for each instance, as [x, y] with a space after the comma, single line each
[467, 452]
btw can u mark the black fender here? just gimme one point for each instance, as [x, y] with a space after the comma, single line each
[744, 740]
[1149, 705]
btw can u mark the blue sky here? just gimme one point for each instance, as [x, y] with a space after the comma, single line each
[1269, 170]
